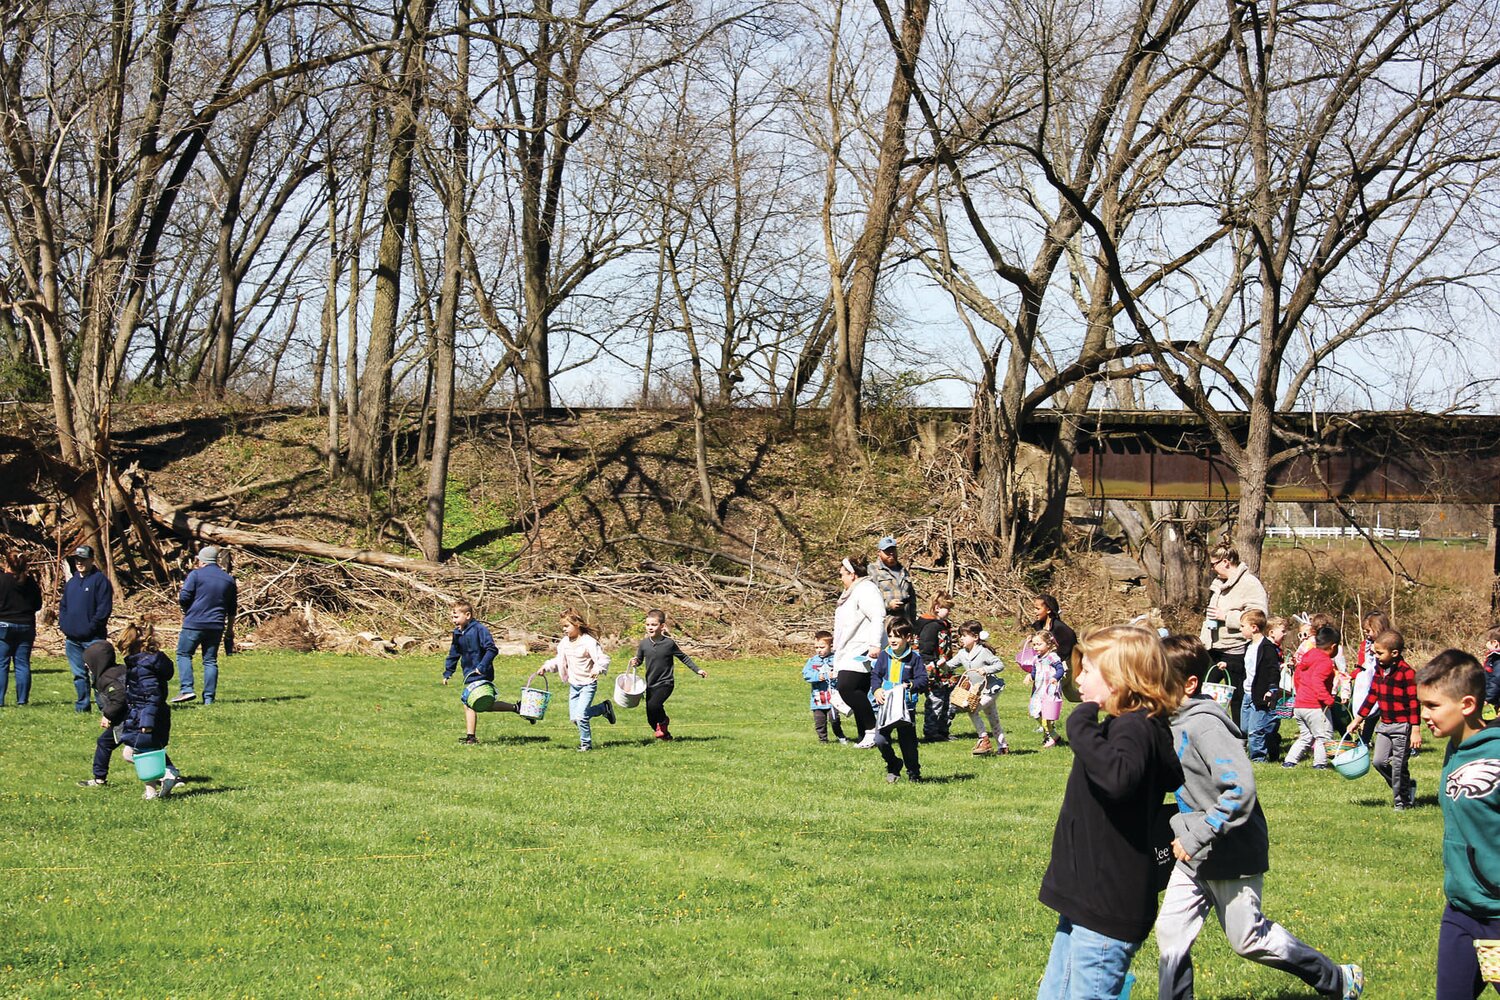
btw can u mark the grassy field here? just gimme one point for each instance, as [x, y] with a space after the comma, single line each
[335, 840]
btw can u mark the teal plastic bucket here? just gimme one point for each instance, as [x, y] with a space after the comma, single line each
[480, 696]
[150, 765]
[1353, 762]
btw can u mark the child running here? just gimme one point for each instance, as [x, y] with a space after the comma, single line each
[579, 663]
[659, 652]
[1451, 690]
[1046, 686]
[896, 678]
[147, 718]
[1312, 679]
[1393, 698]
[473, 647]
[820, 672]
[935, 643]
[1222, 847]
[1101, 877]
[981, 667]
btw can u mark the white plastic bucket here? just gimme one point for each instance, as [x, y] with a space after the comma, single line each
[630, 688]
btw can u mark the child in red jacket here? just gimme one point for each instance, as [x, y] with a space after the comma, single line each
[1312, 679]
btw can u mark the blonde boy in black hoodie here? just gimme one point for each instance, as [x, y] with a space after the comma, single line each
[1222, 848]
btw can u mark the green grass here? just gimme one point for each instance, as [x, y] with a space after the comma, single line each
[335, 840]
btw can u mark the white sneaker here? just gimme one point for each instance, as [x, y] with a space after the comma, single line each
[150, 793]
[870, 741]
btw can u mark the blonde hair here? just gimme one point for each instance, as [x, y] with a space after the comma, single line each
[1043, 641]
[137, 638]
[572, 617]
[1131, 660]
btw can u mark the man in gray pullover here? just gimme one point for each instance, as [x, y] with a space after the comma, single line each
[1222, 848]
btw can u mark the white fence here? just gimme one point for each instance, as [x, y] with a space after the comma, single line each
[1403, 534]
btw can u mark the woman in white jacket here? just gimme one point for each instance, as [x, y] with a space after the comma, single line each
[858, 637]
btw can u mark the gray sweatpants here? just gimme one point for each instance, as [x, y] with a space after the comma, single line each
[1313, 728]
[1236, 902]
[1392, 748]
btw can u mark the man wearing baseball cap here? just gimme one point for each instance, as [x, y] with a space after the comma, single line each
[896, 588]
[88, 599]
[209, 599]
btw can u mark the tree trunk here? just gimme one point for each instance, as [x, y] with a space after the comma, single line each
[849, 355]
[447, 319]
[367, 435]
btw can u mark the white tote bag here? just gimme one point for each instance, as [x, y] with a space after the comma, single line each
[894, 709]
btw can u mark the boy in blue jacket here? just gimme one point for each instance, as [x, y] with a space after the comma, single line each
[1222, 847]
[898, 673]
[474, 648]
[88, 599]
[819, 672]
[1450, 689]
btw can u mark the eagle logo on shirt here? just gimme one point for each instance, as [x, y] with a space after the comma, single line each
[1475, 780]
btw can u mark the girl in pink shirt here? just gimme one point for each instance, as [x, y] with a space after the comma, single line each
[579, 663]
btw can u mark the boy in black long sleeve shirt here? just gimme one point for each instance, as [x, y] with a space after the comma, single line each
[658, 652]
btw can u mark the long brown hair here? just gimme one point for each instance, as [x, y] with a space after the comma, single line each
[1132, 661]
[572, 617]
[18, 563]
[137, 638]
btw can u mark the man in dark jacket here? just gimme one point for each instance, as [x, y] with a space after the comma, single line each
[209, 599]
[83, 615]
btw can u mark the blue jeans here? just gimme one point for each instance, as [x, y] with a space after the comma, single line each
[1085, 965]
[1257, 724]
[73, 649]
[188, 642]
[581, 709]
[15, 644]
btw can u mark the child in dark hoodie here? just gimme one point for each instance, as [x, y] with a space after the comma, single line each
[1101, 879]
[147, 722]
[1222, 848]
[898, 673]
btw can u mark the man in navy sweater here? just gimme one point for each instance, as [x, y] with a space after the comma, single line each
[209, 601]
[83, 616]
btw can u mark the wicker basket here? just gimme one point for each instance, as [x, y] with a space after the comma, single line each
[1489, 959]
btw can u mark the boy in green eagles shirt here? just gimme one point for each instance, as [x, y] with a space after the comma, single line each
[1450, 689]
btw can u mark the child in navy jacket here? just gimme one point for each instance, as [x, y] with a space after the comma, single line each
[898, 664]
[474, 648]
[147, 722]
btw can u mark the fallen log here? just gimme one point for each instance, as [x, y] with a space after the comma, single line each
[172, 517]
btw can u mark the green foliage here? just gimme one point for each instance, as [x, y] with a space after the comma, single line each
[22, 380]
[466, 515]
[335, 839]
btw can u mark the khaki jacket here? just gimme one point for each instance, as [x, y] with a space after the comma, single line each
[1227, 600]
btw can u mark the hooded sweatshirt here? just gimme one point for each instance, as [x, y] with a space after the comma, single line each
[1470, 795]
[1219, 820]
[1103, 868]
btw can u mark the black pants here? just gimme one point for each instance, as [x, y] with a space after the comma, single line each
[906, 734]
[854, 688]
[656, 704]
[821, 718]
[104, 748]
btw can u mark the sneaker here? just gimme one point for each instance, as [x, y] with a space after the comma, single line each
[468, 740]
[93, 783]
[843, 741]
[184, 697]
[1049, 743]
[915, 777]
[609, 711]
[170, 781]
[1003, 749]
[585, 747]
[150, 793]
[666, 735]
[1288, 763]
[1354, 981]
[1322, 767]
[891, 777]
[208, 699]
[983, 748]
[871, 741]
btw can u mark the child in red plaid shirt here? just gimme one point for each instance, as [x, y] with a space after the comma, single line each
[1393, 695]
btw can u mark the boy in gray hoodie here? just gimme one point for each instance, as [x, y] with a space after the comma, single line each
[1222, 848]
